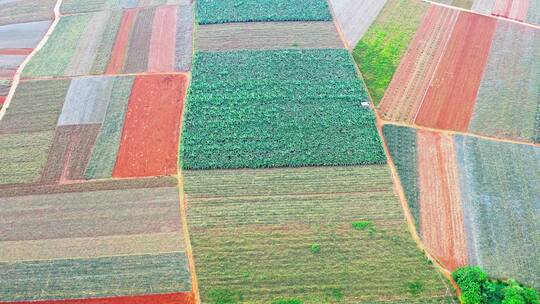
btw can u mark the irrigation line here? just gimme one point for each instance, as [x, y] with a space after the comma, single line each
[17, 76]
[397, 183]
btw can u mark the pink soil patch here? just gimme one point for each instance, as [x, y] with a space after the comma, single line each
[441, 216]
[408, 87]
[149, 144]
[2, 100]
[513, 9]
[15, 51]
[118, 56]
[163, 40]
[449, 101]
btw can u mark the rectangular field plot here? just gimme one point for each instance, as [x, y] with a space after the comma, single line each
[277, 108]
[21, 11]
[157, 39]
[92, 128]
[82, 6]
[355, 17]
[379, 51]
[267, 35]
[211, 12]
[467, 72]
[317, 235]
[94, 244]
[521, 10]
[499, 186]
[509, 96]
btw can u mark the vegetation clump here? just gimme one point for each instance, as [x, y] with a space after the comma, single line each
[477, 288]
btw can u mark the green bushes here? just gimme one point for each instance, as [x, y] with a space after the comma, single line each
[476, 288]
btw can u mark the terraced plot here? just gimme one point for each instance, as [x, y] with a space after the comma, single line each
[317, 235]
[117, 42]
[277, 108]
[211, 12]
[102, 243]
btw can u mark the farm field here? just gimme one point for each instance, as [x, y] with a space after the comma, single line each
[381, 48]
[212, 12]
[276, 152]
[17, 41]
[289, 233]
[448, 76]
[475, 206]
[92, 127]
[24, 11]
[277, 108]
[118, 42]
[83, 6]
[267, 35]
[83, 242]
[355, 17]
[527, 11]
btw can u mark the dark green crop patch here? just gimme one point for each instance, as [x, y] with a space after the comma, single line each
[277, 108]
[223, 11]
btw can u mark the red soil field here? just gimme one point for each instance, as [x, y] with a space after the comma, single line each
[15, 51]
[410, 83]
[7, 73]
[513, 9]
[2, 100]
[118, 55]
[170, 298]
[149, 143]
[70, 153]
[450, 98]
[441, 217]
[163, 40]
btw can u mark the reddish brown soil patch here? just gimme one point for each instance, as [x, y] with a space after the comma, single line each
[441, 217]
[162, 43]
[450, 99]
[2, 100]
[171, 298]
[118, 56]
[149, 143]
[408, 87]
[15, 51]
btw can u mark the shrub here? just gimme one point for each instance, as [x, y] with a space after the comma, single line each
[415, 288]
[315, 248]
[288, 301]
[476, 288]
[362, 225]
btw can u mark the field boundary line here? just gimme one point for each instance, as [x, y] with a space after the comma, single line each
[452, 132]
[397, 187]
[481, 14]
[105, 75]
[17, 76]
[287, 194]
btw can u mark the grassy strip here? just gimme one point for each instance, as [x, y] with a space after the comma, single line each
[277, 108]
[211, 11]
[401, 142]
[308, 246]
[379, 51]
